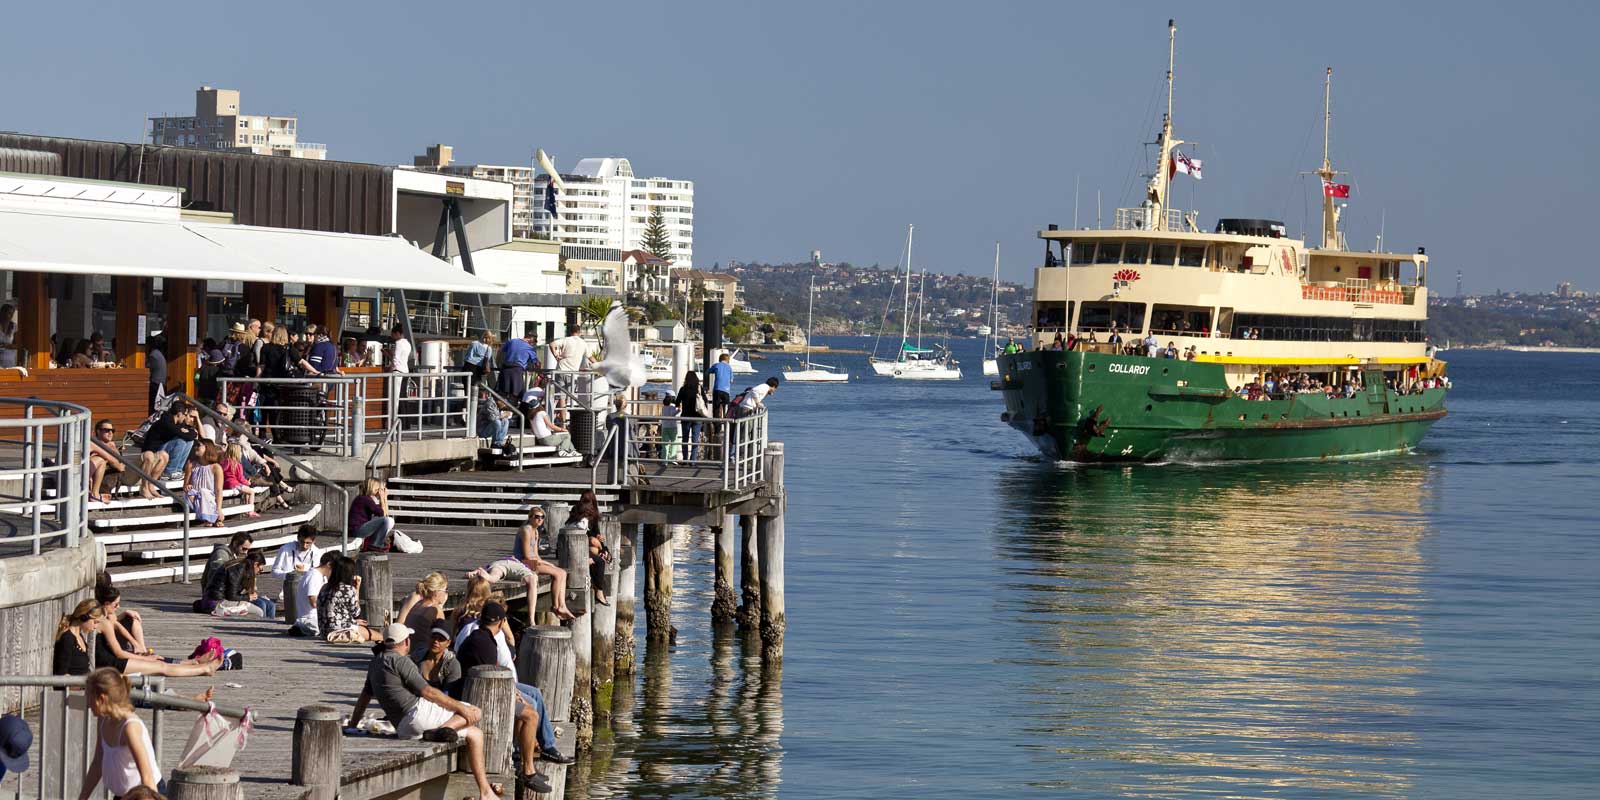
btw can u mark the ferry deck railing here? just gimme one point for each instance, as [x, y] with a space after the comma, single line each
[731, 448]
[64, 729]
[331, 414]
[1142, 219]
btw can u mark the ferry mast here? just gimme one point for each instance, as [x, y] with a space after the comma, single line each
[1331, 239]
[1161, 181]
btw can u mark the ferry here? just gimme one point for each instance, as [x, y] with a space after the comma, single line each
[1156, 341]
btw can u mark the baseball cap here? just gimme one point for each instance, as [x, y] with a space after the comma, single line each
[396, 633]
[441, 632]
[491, 613]
[15, 739]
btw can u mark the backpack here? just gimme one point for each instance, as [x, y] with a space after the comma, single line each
[740, 405]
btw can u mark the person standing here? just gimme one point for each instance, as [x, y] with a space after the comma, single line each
[572, 353]
[479, 357]
[15, 740]
[515, 357]
[124, 757]
[399, 351]
[690, 410]
[156, 362]
[721, 386]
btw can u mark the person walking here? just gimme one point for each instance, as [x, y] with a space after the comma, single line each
[124, 758]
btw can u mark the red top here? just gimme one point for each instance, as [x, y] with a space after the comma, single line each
[232, 474]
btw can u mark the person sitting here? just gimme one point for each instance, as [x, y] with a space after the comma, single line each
[549, 434]
[236, 546]
[167, 445]
[233, 478]
[466, 611]
[524, 564]
[438, 663]
[104, 459]
[202, 486]
[418, 710]
[425, 607]
[299, 556]
[232, 591]
[128, 624]
[535, 736]
[369, 520]
[339, 617]
[494, 420]
[88, 617]
[306, 587]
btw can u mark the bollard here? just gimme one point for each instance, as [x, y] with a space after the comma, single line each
[627, 569]
[291, 600]
[489, 687]
[658, 583]
[318, 750]
[205, 783]
[724, 605]
[773, 619]
[604, 627]
[574, 555]
[545, 661]
[749, 614]
[377, 588]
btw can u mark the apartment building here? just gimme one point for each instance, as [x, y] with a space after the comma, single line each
[605, 205]
[700, 285]
[218, 124]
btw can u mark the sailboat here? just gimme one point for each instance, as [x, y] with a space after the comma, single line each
[813, 373]
[913, 363]
[990, 365]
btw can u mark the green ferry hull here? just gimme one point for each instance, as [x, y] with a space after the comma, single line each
[1098, 407]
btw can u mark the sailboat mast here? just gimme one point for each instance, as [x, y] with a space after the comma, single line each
[994, 300]
[922, 289]
[811, 295]
[905, 313]
[1160, 182]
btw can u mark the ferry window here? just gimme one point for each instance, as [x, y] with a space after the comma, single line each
[1192, 256]
[1135, 252]
[1110, 252]
[1083, 252]
[1102, 316]
[1163, 254]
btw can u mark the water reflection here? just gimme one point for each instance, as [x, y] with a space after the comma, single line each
[702, 718]
[1245, 631]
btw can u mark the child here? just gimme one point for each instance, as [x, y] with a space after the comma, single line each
[669, 430]
[233, 476]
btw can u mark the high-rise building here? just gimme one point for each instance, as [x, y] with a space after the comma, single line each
[1564, 289]
[217, 124]
[604, 204]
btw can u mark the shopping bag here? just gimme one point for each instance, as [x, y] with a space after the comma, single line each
[215, 740]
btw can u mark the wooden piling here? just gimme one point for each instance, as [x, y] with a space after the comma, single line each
[318, 751]
[627, 583]
[749, 613]
[489, 687]
[574, 555]
[605, 624]
[658, 583]
[205, 783]
[377, 588]
[724, 603]
[546, 662]
[774, 620]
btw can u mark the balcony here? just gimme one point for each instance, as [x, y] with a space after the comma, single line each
[1404, 295]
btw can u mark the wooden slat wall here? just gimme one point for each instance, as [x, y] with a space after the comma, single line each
[119, 395]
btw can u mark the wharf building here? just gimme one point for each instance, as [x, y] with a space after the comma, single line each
[219, 124]
[439, 158]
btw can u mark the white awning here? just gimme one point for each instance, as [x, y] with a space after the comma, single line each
[31, 241]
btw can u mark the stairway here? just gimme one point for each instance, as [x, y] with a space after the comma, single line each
[143, 538]
[527, 453]
[497, 499]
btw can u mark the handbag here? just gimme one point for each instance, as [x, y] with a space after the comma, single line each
[215, 740]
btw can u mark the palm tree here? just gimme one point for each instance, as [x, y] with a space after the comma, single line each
[593, 309]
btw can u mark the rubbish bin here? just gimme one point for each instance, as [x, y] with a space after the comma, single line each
[301, 419]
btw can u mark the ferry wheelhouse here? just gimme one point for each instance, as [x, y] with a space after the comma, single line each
[1235, 343]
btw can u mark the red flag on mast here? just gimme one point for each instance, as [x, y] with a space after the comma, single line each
[1331, 189]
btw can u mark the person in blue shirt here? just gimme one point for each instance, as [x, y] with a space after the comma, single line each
[515, 358]
[721, 386]
[479, 359]
[323, 357]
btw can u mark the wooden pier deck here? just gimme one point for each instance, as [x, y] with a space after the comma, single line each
[283, 673]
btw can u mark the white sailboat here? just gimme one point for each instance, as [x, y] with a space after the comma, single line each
[915, 363]
[990, 365]
[813, 373]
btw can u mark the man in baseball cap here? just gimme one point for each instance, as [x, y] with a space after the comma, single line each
[418, 710]
[15, 739]
[536, 737]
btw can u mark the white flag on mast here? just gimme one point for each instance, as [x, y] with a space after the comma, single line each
[1186, 165]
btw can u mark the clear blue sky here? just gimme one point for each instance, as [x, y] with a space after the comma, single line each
[833, 124]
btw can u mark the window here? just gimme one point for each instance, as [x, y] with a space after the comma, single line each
[1135, 252]
[1110, 253]
[1101, 316]
[1192, 255]
[1163, 254]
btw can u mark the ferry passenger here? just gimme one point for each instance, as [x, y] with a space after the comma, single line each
[1152, 345]
[1059, 344]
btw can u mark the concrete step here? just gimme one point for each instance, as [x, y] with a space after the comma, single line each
[397, 494]
[197, 531]
[416, 507]
[280, 532]
[126, 501]
[537, 461]
[463, 515]
[140, 518]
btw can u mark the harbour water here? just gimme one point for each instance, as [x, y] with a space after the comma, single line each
[966, 618]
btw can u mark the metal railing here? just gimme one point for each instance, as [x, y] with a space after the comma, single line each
[64, 730]
[522, 419]
[733, 448]
[310, 413]
[425, 405]
[40, 478]
[1142, 219]
[276, 452]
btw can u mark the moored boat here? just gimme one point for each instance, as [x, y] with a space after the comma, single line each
[1235, 344]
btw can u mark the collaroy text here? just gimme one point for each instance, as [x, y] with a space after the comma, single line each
[1131, 369]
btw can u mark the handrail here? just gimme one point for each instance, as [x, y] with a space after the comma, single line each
[142, 693]
[389, 436]
[594, 469]
[522, 419]
[344, 520]
[73, 424]
[182, 501]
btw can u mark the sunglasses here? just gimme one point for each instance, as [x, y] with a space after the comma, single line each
[108, 430]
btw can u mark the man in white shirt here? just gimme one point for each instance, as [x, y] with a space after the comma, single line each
[758, 394]
[572, 352]
[306, 587]
[1152, 347]
[299, 556]
[402, 350]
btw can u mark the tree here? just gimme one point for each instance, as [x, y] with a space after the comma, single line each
[593, 309]
[655, 239]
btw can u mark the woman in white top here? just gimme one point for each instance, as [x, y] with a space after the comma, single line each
[124, 759]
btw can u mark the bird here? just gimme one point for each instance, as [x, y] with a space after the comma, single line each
[622, 367]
